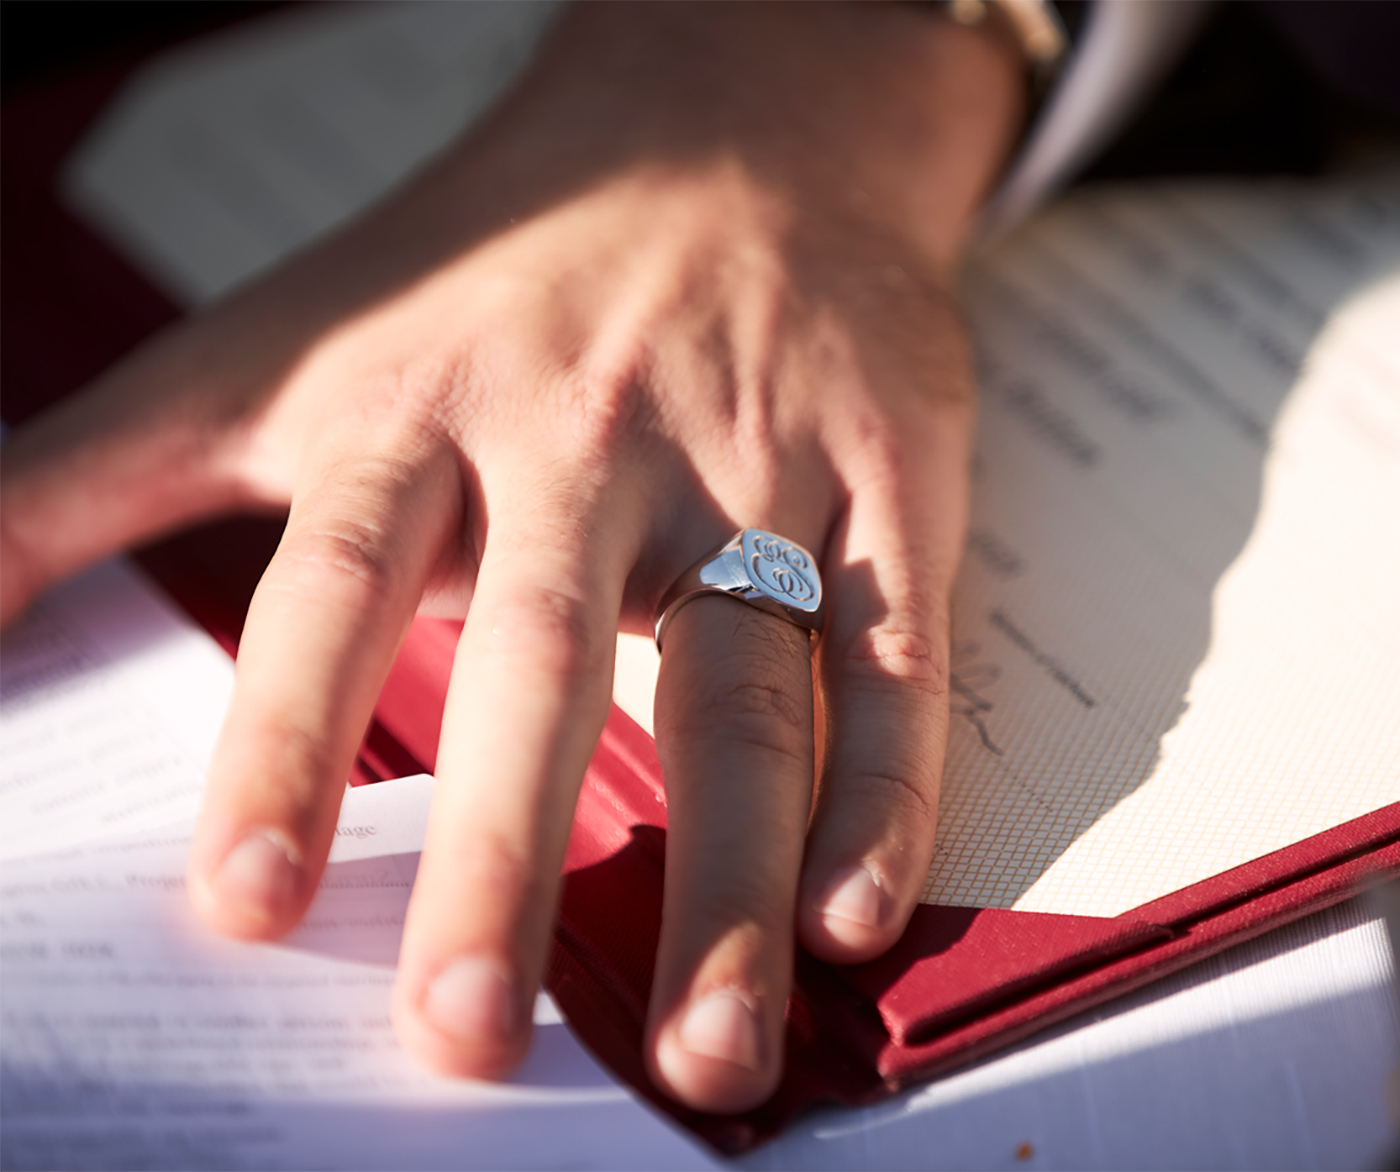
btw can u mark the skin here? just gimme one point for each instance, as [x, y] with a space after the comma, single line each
[696, 273]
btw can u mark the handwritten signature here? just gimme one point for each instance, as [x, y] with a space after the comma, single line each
[965, 679]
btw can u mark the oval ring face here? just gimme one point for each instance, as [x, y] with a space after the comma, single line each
[782, 569]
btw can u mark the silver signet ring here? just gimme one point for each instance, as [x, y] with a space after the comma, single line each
[760, 568]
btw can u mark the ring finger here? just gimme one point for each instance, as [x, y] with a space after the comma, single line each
[734, 733]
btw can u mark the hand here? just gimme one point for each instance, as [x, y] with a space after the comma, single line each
[693, 275]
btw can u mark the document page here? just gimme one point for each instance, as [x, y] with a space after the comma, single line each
[110, 703]
[1177, 638]
[133, 1037]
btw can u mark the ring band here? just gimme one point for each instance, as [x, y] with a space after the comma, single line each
[766, 571]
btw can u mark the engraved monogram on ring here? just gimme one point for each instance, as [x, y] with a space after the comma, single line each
[756, 567]
[779, 566]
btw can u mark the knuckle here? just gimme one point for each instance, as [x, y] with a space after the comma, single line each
[740, 896]
[296, 752]
[758, 693]
[883, 452]
[760, 702]
[764, 711]
[500, 872]
[348, 546]
[897, 658]
[911, 793]
[341, 557]
[879, 436]
[611, 408]
[554, 631]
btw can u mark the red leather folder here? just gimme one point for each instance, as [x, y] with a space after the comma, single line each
[961, 984]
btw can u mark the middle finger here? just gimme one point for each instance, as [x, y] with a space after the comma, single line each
[526, 703]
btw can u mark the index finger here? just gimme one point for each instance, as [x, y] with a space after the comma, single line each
[321, 633]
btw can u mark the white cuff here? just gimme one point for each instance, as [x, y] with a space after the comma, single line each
[1127, 47]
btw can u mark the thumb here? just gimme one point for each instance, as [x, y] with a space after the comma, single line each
[138, 453]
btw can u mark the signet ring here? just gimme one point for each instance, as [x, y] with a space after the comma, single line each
[766, 571]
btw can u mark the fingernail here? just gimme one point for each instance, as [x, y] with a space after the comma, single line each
[261, 876]
[474, 1000]
[854, 896]
[722, 1025]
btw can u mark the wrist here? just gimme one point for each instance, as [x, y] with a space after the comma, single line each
[879, 112]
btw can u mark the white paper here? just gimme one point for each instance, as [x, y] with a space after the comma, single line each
[1176, 644]
[134, 1037]
[1275, 1054]
[110, 703]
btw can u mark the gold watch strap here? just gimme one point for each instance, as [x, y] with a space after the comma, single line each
[1034, 25]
